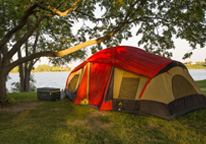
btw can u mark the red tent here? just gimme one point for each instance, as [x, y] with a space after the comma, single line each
[129, 79]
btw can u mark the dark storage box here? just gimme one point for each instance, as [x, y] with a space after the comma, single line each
[48, 94]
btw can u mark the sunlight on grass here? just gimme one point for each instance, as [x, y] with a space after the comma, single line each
[62, 122]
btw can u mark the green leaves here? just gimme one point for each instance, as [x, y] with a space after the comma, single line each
[187, 55]
[157, 22]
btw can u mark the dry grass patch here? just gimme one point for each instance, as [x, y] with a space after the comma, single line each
[21, 106]
[93, 121]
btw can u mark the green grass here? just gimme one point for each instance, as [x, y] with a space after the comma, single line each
[62, 122]
[202, 85]
[23, 97]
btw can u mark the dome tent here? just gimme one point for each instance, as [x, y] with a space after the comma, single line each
[131, 80]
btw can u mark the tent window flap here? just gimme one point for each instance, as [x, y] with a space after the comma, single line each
[72, 84]
[128, 88]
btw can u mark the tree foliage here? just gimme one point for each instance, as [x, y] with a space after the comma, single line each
[42, 68]
[156, 21]
[47, 68]
[98, 22]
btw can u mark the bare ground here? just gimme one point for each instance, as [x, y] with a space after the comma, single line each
[96, 124]
[21, 106]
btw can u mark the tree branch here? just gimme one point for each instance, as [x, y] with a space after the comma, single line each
[29, 58]
[32, 62]
[4, 50]
[35, 61]
[49, 26]
[0, 58]
[60, 53]
[146, 19]
[69, 50]
[132, 5]
[58, 12]
[18, 27]
[89, 43]
[24, 38]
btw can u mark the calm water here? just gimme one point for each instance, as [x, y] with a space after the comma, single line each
[198, 74]
[44, 79]
[58, 79]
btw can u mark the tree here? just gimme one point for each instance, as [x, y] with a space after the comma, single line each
[15, 86]
[25, 68]
[156, 21]
[43, 68]
[190, 62]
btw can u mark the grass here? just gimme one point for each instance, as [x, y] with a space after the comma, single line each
[202, 85]
[62, 122]
[23, 97]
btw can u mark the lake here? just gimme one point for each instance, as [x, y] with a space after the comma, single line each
[58, 79]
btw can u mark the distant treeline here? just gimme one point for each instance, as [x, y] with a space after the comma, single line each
[196, 65]
[45, 68]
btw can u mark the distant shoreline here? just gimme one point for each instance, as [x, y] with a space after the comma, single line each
[70, 71]
[47, 68]
[195, 66]
[44, 71]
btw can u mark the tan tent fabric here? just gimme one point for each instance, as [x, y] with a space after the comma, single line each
[160, 87]
[185, 73]
[182, 87]
[76, 76]
[73, 80]
[119, 75]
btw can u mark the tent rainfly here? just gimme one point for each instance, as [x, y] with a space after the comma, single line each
[131, 80]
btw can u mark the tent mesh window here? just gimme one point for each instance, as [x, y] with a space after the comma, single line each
[128, 88]
[73, 82]
[182, 87]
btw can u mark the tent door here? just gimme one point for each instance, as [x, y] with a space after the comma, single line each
[99, 75]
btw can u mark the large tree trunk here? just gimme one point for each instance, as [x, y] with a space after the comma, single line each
[21, 76]
[27, 80]
[3, 75]
[21, 73]
[24, 79]
[26, 73]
